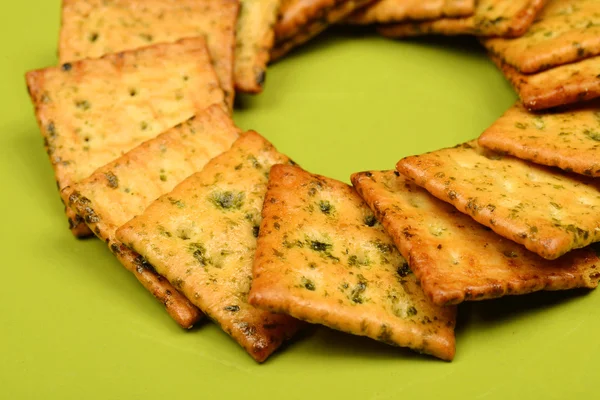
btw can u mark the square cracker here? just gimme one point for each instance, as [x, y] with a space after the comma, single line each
[301, 20]
[322, 257]
[457, 259]
[506, 18]
[567, 138]
[254, 41]
[202, 238]
[565, 84]
[387, 11]
[93, 28]
[122, 189]
[565, 31]
[548, 212]
[92, 111]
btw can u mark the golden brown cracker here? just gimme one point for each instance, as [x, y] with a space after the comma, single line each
[565, 31]
[567, 138]
[122, 189]
[505, 18]
[548, 212]
[322, 257]
[206, 245]
[92, 111]
[92, 28]
[565, 84]
[254, 41]
[388, 11]
[457, 259]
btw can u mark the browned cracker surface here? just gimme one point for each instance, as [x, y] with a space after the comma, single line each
[548, 212]
[386, 11]
[323, 257]
[457, 259]
[206, 245]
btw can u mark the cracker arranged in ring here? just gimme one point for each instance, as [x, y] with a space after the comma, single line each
[455, 258]
[565, 31]
[505, 18]
[254, 40]
[93, 28]
[122, 189]
[567, 138]
[206, 245]
[322, 257]
[547, 212]
[565, 84]
[387, 11]
[92, 111]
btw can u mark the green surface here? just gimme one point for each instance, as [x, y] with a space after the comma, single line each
[76, 325]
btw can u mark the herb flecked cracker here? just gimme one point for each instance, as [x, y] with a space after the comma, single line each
[387, 11]
[254, 41]
[505, 18]
[567, 138]
[322, 257]
[122, 189]
[92, 28]
[457, 259]
[202, 238]
[565, 31]
[565, 84]
[548, 212]
[92, 111]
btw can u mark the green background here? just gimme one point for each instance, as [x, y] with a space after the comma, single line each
[74, 324]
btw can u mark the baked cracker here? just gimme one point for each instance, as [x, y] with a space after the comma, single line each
[548, 212]
[92, 111]
[206, 245]
[457, 259]
[254, 41]
[122, 189]
[322, 257]
[387, 11]
[567, 138]
[565, 84]
[505, 18]
[565, 31]
[92, 28]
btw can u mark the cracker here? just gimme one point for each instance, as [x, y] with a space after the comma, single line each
[206, 246]
[92, 28]
[567, 138]
[548, 212]
[457, 259]
[506, 18]
[92, 111]
[387, 11]
[254, 41]
[565, 84]
[322, 257]
[122, 189]
[565, 31]
[301, 20]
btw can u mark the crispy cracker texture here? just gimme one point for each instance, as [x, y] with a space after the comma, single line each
[254, 41]
[567, 138]
[387, 11]
[206, 245]
[122, 189]
[548, 212]
[565, 31]
[93, 28]
[92, 111]
[457, 259]
[322, 257]
[504, 18]
[565, 84]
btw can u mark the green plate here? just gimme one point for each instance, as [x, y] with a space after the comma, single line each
[76, 325]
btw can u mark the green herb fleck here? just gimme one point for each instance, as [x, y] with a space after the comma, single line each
[228, 200]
